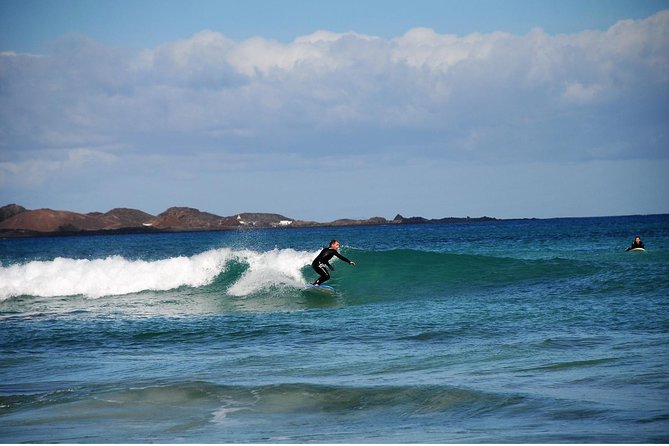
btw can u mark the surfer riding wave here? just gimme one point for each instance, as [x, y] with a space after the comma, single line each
[322, 262]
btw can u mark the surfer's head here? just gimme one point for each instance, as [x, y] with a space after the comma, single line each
[334, 244]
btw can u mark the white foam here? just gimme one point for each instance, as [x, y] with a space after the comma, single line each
[117, 275]
[277, 267]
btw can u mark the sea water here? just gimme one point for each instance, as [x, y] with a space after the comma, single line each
[504, 331]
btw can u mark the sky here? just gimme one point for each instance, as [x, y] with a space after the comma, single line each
[320, 110]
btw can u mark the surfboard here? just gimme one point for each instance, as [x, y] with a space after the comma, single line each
[322, 289]
[637, 249]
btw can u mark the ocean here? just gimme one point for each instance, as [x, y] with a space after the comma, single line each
[504, 331]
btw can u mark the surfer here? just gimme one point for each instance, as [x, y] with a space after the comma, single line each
[322, 262]
[637, 243]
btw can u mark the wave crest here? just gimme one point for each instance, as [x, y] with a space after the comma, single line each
[116, 275]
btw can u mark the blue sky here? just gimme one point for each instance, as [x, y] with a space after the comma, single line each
[324, 110]
[30, 25]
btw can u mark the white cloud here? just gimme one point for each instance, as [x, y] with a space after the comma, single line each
[424, 48]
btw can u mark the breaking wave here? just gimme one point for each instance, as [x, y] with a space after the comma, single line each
[242, 272]
[117, 275]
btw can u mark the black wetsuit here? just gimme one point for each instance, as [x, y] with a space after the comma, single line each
[322, 261]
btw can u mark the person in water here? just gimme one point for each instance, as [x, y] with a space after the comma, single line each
[322, 262]
[637, 243]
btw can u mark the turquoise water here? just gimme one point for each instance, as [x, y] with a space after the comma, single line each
[511, 331]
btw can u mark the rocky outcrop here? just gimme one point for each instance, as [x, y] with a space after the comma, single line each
[10, 210]
[420, 220]
[411, 220]
[353, 222]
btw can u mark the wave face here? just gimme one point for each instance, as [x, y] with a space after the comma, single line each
[249, 412]
[414, 270]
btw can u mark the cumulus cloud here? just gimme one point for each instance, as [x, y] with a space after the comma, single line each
[481, 97]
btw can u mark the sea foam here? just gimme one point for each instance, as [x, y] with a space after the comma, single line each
[276, 267]
[116, 275]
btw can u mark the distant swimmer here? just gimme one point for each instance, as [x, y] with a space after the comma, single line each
[322, 262]
[636, 244]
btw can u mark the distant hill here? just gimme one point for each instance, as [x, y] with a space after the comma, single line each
[17, 221]
[123, 218]
[183, 218]
[48, 220]
[10, 210]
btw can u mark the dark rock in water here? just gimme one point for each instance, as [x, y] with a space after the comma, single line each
[399, 219]
[463, 220]
[413, 220]
[351, 222]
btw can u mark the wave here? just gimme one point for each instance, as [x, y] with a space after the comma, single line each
[292, 412]
[263, 400]
[244, 272]
[116, 275]
[421, 270]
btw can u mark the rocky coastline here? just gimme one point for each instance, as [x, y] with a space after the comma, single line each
[17, 221]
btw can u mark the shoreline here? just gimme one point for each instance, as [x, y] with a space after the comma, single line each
[25, 234]
[19, 222]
